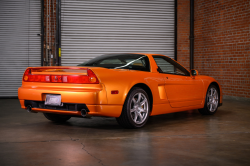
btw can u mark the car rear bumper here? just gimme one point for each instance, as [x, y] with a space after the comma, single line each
[68, 95]
[74, 109]
[94, 100]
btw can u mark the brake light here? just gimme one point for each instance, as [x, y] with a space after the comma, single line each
[28, 77]
[90, 78]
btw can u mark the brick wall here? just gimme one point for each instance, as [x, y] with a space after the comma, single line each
[222, 42]
[49, 32]
[183, 30]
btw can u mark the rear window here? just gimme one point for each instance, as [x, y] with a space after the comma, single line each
[120, 61]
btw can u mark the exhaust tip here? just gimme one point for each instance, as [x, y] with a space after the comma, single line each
[83, 113]
[29, 109]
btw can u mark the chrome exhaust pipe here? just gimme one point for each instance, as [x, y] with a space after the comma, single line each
[83, 113]
[29, 109]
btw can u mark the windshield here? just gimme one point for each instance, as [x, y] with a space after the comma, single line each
[120, 61]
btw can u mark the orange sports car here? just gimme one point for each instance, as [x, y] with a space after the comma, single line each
[130, 87]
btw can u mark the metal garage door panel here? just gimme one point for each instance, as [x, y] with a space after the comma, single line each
[93, 28]
[20, 47]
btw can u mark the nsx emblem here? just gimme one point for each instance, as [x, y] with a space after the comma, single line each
[56, 78]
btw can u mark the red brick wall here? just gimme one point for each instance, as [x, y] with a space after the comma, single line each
[49, 31]
[222, 42]
[183, 30]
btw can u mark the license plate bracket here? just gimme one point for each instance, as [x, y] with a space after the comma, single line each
[53, 100]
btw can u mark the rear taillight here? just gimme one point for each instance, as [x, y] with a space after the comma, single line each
[90, 78]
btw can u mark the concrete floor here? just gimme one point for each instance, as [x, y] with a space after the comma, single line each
[185, 138]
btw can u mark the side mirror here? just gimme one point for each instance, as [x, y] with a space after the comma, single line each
[194, 72]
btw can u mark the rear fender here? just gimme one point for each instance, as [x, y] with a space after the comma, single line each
[122, 81]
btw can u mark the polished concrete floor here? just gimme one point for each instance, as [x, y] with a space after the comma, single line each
[185, 138]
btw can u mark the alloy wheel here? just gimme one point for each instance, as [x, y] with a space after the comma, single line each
[139, 108]
[212, 99]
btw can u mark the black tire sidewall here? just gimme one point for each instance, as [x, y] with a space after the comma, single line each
[128, 103]
[205, 106]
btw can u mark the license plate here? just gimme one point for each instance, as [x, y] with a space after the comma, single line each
[54, 100]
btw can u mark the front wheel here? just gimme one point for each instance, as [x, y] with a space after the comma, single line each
[136, 109]
[57, 117]
[211, 101]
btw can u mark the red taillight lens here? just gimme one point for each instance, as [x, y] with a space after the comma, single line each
[75, 79]
[36, 78]
[26, 75]
[78, 79]
[92, 77]
[27, 72]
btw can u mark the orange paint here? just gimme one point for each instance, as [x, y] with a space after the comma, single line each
[171, 93]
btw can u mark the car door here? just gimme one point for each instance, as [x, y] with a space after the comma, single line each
[182, 89]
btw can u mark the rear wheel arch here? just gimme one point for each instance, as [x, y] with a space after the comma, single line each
[136, 108]
[146, 89]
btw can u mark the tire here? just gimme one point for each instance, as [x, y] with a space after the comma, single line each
[136, 109]
[57, 117]
[211, 101]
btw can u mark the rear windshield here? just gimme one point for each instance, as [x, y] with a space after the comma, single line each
[120, 61]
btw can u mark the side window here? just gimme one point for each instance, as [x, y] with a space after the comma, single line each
[167, 65]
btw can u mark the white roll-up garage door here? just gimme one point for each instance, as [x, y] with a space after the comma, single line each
[93, 28]
[20, 47]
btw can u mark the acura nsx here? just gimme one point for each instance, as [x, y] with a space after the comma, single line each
[130, 87]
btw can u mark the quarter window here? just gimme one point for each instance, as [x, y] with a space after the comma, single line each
[169, 66]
